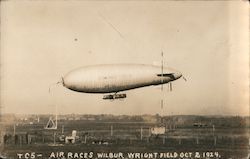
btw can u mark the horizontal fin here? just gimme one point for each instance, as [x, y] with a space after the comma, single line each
[165, 74]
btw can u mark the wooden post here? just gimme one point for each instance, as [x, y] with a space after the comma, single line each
[232, 140]
[14, 131]
[141, 133]
[29, 139]
[215, 141]
[111, 130]
[213, 129]
[62, 129]
[54, 138]
[43, 139]
[85, 139]
[149, 132]
[20, 139]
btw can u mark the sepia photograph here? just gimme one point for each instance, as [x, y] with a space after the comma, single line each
[104, 79]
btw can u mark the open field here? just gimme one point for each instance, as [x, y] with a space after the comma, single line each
[127, 137]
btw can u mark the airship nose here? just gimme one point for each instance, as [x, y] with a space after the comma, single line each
[69, 80]
[177, 75]
[65, 82]
[75, 80]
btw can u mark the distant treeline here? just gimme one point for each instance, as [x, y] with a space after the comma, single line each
[176, 120]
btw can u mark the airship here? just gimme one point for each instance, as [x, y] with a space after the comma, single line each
[111, 79]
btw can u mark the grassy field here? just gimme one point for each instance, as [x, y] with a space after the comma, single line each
[126, 137]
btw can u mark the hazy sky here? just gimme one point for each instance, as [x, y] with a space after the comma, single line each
[207, 41]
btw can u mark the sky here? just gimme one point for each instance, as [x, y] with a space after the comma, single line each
[207, 41]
